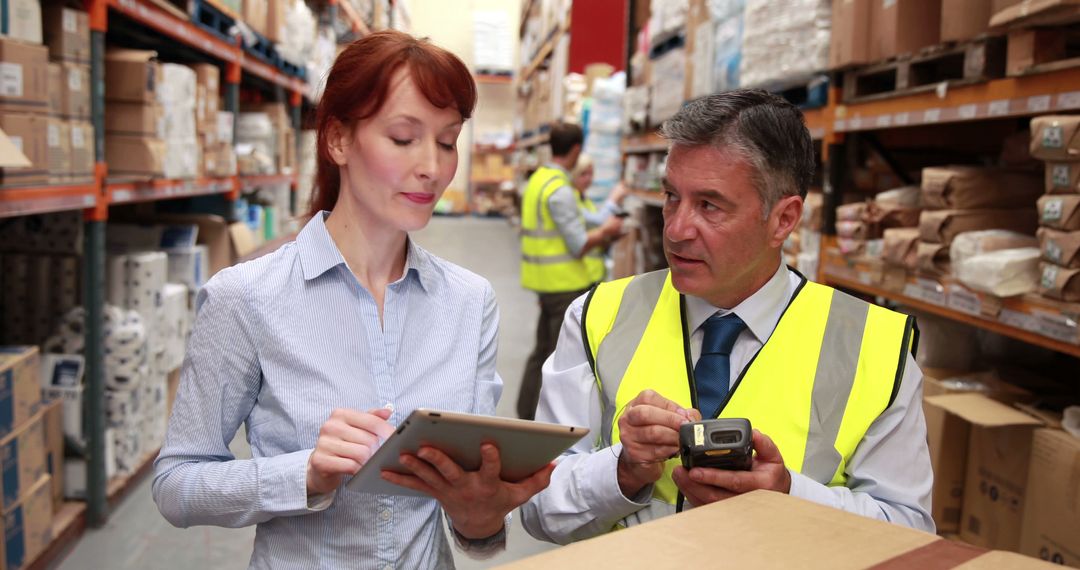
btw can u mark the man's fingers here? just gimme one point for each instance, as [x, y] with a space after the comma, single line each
[409, 482]
[735, 481]
[533, 484]
[424, 471]
[765, 449]
[653, 398]
[638, 453]
[648, 415]
[491, 463]
[449, 470]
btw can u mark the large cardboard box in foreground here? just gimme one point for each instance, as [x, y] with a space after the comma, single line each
[1052, 520]
[999, 449]
[764, 529]
[27, 528]
[22, 460]
[24, 83]
[20, 386]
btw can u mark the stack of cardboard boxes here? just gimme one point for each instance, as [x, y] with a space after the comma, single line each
[267, 130]
[1056, 140]
[218, 158]
[69, 133]
[28, 452]
[24, 93]
[134, 119]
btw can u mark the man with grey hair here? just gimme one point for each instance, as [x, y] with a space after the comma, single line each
[828, 381]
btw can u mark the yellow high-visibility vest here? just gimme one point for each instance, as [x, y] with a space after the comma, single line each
[547, 266]
[831, 367]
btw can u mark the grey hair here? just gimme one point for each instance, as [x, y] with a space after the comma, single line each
[765, 129]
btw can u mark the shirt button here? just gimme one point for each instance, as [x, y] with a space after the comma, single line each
[389, 406]
[385, 515]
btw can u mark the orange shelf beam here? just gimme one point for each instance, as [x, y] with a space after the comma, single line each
[487, 79]
[162, 189]
[358, 24]
[45, 199]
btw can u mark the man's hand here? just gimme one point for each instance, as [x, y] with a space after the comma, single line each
[703, 486]
[649, 433]
[475, 501]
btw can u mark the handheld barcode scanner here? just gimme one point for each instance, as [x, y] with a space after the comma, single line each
[720, 444]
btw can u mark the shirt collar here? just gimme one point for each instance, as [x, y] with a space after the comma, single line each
[554, 166]
[319, 253]
[760, 311]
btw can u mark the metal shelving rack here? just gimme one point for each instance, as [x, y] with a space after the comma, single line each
[94, 197]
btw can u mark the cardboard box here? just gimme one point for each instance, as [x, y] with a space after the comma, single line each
[20, 386]
[75, 91]
[131, 75]
[54, 449]
[24, 77]
[58, 138]
[22, 459]
[1028, 48]
[82, 149]
[1063, 177]
[22, 20]
[28, 526]
[255, 15]
[1060, 211]
[947, 436]
[903, 26]
[850, 39]
[134, 119]
[941, 226]
[275, 19]
[208, 78]
[56, 88]
[67, 33]
[999, 447]
[135, 155]
[29, 134]
[1060, 248]
[1059, 283]
[1056, 137]
[1031, 13]
[1053, 496]
[964, 19]
[771, 530]
[71, 400]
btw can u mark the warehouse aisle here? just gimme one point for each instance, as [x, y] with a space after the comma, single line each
[138, 537]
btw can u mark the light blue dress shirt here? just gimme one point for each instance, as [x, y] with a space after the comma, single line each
[278, 344]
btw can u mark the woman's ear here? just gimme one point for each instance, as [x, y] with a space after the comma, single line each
[339, 141]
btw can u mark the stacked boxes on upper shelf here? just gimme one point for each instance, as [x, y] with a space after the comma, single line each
[24, 100]
[265, 140]
[1056, 140]
[134, 119]
[70, 134]
[218, 158]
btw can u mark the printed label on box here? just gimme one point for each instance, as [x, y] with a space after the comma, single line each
[11, 79]
[1052, 210]
[53, 134]
[1059, 175]
[77, 138]
[74, 80]
[1053, 137]
[71, 22]
[1052, 251]
[965, 301]
[14, 539]
[1049, 276]
[10, 456]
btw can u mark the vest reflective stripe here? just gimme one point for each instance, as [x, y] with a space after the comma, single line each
[547, 266]
[827, 372]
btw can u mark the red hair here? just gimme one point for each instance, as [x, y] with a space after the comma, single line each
[359, 84]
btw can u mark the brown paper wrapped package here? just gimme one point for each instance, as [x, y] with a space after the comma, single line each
[932, 257]
[1060, 248]
[1056, 137]
[962, 187]
[851, 212]
[1059, 283]
[901, 245]
[852, 230]
[1062, 177]
[941, 226]
[1061, 212]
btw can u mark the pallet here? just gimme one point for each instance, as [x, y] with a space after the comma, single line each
[1041, 50]
[810, 94]
[210, 18]
[291, 69]
[264, 49]
[952, 65]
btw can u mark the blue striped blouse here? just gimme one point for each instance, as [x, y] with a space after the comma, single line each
[281, 341]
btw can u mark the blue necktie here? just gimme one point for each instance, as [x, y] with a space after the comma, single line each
[712, 374]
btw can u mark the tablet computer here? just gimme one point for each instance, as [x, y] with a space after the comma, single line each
[525, 446]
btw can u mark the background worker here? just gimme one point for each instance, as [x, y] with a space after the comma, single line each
[560, 258]
[828, 381]
[581, 177]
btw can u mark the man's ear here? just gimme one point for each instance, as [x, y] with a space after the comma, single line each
[783, 219]
[338, 142]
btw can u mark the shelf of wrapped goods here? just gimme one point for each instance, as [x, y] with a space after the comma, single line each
[1030, 318]
[644, 143]
[253, 182]
[649, 197]
[546, 49]
[1022, 96]
[119, 486]
[353, 17]
[121, 191]
[187, 33]
[68, 526]
[22, 201]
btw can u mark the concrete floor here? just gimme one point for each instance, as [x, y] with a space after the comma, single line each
[137, 537]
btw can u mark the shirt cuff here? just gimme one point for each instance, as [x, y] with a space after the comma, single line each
[613, 207]
[481, 548]
[804, 487]
[600, 486]
[316, 503]
[283, 485]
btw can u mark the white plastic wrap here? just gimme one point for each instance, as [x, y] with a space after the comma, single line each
[726, 22]
[1003, 273]
[784, 43]
[970, 244]
[604, 140]
[178, 86]
[298, 37]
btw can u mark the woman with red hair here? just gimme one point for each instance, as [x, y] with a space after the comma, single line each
[351, 316]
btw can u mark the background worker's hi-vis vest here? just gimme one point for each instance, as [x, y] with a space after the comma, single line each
[830, 368]
[547, 266]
